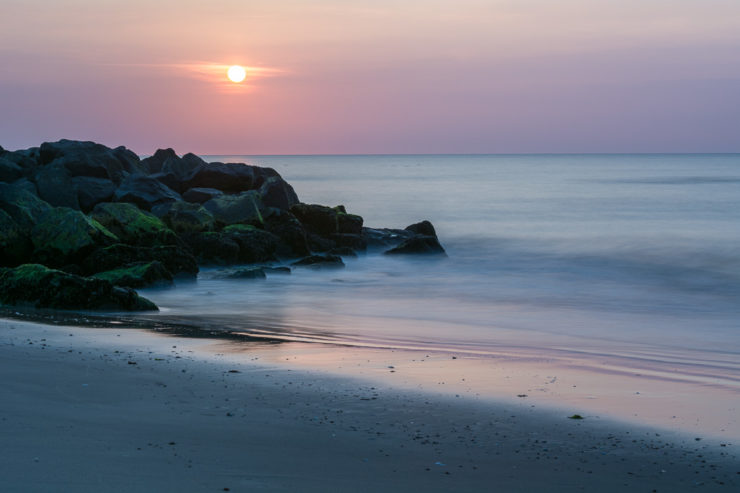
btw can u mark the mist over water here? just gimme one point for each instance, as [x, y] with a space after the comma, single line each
[628, 254]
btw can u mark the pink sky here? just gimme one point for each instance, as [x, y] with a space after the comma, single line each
[404, 76]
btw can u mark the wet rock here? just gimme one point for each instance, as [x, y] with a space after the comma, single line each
[213, 248]
[255, 245]
[343, 252]
[201, 195]
[9, 171]
[292, 236]
[353, 241]
[153, 164]
[276, 192]
[383, 237]
[419, 245]
[55, 186]
[320, 262]
[65, 236]
[92, 191]
[318, 219]
[184, 217]
[175, 259]
[86, 159]
[241, 208]
[227, 177]
[424, 228]
[25, 208]
[144, 191]
[349, 223]
[138, 275]
[15, 245]
[245, 273]
[276, 270]
[132, 225]
[40, 287]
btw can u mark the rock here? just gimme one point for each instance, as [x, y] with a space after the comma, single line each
[132, 225]
[227, 177]
[201, 195]
[423, 228]
[318, 243]
[92, 191]
[276, 192]
[320, 262]
[213, 248]
[184, 217]
[15, 245]
[26, 159]
[350, 224]
[55, 186]
[176, 171]
[175, 259]
[241, 208]
[276, 270]
[255, 245]
[292, 236]
[86, 159]
[25, 208]
[343, 252]
[40, 287]
[317, 219]
[129, 159]
[138, 275]
[355, 242]
[65, 236]
[145, 192]
[376, 237]
[245, 273]
[428, 245]
[154, 163]
[27, 185]
[9, 171]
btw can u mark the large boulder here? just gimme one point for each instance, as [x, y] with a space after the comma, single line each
[92, 191]
[55, 186]
[384, 237]
[255, 245]
[424, 228]
[244, 273]
[40, 287]
[184, 217]
[175, 171]
[65, 236]
[426, 245]
[138, 275]
[201, 195]
[25, 208]
[292, 236]
[175, 259]
[276, 192]
[9, 171]
[87, 159]
[213, 248]
[320, 262]
[227, 177]
[144, 191]
[132, 225]
[241, 208]
[317, 219]
[15, 245]
[153, 163]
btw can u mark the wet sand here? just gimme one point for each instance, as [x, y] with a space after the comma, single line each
[126, 410]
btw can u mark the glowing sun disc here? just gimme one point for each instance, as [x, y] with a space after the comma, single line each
[236, 73]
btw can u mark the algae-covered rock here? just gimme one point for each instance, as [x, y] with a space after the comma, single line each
[213, 248]
[255, 245]
[65, 236]
[25, 208]
[132, 225]
[320, 262]
[318, 219]
[175, 259]
[241, 208]
[244, 273]
[40, 287]
[292, 236]
[138, 275]
[15, 246]
[184, 217]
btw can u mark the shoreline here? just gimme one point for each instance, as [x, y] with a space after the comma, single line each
[84, 407]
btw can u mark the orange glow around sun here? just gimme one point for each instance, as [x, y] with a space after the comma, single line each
[236, 73]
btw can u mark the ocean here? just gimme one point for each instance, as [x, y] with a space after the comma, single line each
[630, 256]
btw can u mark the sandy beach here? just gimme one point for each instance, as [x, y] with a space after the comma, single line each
[126, 410]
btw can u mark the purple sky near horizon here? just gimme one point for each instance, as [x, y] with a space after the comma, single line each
[403, 76]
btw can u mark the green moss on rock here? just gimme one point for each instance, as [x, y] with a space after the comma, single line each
[132, 225]
[138, 275]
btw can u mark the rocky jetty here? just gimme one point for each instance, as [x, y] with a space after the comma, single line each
[81, 224]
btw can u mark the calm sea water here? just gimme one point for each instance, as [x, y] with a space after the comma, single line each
[614, 254]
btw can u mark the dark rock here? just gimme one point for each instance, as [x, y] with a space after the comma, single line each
[241, 208]
[255, 245]
[40, 287]
[129, 159]
[9, 171]
[92, 191]
[349, 223]
[355, 242]
[245, 273]
[15, 245]
[201, 195]
[227, 177]
[318, 243]
[343, 252]
[292, 236]
[428, 245]
[276, 270]
[144, 191]
[25, 208]
[154, 163]
[184, 217]
[423, 228]
[85, 159]
[175, 259]
[54, 185]
[213, 248]
[27, 185]
[320, 262]
[138, 275]
[276, 192]
[65, 236]
[132, 225]
[317, 219]
[383, 238]
[176, 171]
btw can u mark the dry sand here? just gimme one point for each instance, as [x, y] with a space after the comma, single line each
[125, 410]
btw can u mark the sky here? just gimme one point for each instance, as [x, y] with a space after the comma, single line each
[373, 77]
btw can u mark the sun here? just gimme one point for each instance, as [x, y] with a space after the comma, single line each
[236, 73]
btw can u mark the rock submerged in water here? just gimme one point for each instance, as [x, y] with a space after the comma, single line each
[37, 286]
[91, 210]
